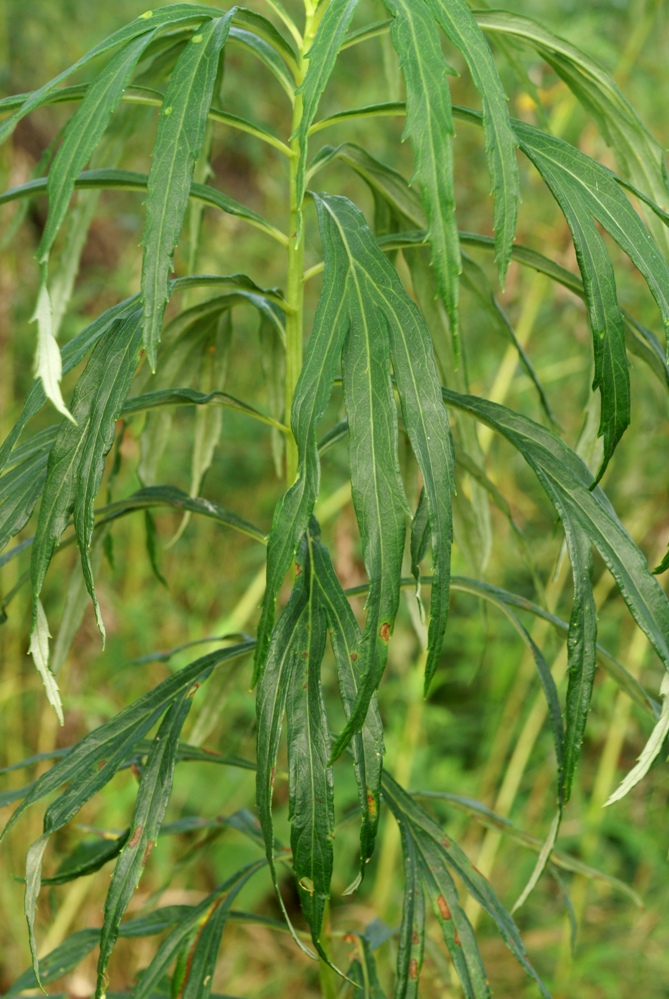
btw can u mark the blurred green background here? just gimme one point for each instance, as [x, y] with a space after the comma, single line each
[480, 734]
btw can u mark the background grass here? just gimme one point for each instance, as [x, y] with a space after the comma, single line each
[479, 734]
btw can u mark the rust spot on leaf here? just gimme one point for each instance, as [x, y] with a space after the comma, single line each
[349, 938]
[415, 938]
[193, 689]
[384, 631]
[101, 764]
[298, 569]
[413, 969]
[136, 837]
[305, 654]
[443, 907]
[371, 803]
[456, 938]
[446, 843]
[354, 657]
[147, 852]
[136, 771]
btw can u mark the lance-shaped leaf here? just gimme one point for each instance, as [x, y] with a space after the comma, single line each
[412, 927]
[460, 25]
[430, 129]
[376, 304]
[153, 794]
[199, 916]
[284, 651]
[76, 460]
[181, 131]
[20, 488]
[639, 154]
[569, 485]
[310, 781]
[434, 849]
[91, 764]
[321, 59]
[84, 131]
[150, 21]
[366, 745]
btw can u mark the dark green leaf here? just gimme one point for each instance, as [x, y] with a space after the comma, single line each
[178, 142]
[430, 128]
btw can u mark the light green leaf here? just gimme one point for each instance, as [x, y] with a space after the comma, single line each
[651, 750]
[39, 650]
[430, 129]
[460, 25]
[83, 133]
[180, 135]
[48, 367]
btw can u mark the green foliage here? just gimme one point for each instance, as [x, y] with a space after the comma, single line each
[388, 357]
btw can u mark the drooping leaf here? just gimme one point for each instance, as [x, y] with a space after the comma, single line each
[569, 485]
[412, 927]
[458, 22]
[430, 841]
[310, 780]
[48, 366]
[76, 460]
[430, 129]
[155, 788]
[150, 21]
[366, 745]
[178, 142]
[220, 899]
[84, 132]
[285, 650]
[39, 650]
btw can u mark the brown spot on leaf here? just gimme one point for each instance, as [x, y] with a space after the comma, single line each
[354, 657]
[456, 938]
[443, 907]
[136, 837]
[446, 843]
[101, 764]
[413, 969]
[371, 803]
[193, 689]
[298, 569]
[305, 654]
[147, 852]
[415, 938]
[384, 631]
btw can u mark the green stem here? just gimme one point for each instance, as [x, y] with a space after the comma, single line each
[295, 283]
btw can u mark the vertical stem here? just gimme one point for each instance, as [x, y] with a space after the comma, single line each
[295, 288]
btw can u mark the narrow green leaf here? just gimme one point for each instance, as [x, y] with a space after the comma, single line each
[20, 488]
[363, 972]
[285, 650]
[366, 745]
[430, 129]
[569, 485]
[151, 20]
[460, 25]
[84, 131]
[221, 898]
[57, 963]
[456, 929]
[321, 59]
[310, 780]
[273, 364]
[377, 307]
[581, 650]
[424, 829]
[76, 460]
[87, 858]
[180, 135]
[412, 928]
[154, 791]
[89, 765]
[268, 55]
